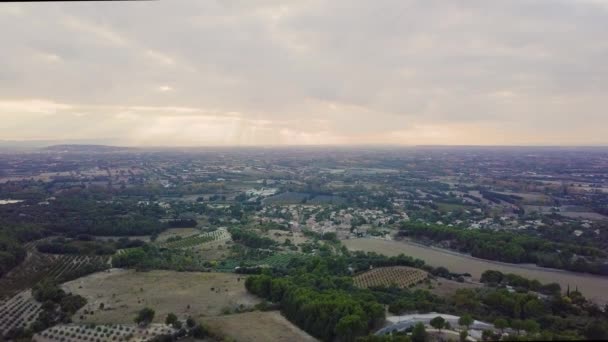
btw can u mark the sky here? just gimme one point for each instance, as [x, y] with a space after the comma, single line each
[335, 72]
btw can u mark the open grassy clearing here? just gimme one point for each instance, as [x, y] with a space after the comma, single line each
[124, 292]
[400, 276]
[258, 327]
[444, 287]
[586, 215]
[101, 333]
[529, 198]
[445, 207]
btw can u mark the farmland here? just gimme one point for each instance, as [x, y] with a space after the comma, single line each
[400, 276]
[124, 292]
[18, 312]
[38, 266]
[220, 235]
[592, 286]
[102, 333]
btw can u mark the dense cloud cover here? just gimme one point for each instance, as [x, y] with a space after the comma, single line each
[239, 72]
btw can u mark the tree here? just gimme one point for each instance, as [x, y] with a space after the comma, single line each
[487, 335]
[144, 316]
[531, 326]
[171, 318]
[501, 324]
[447, 325]
[517, 324]
[463, 335]
[437, 323]
[199, 331]
[350, 326]
[491, 276]
[465, 320]
[190, 323]
[597, 330]
[419, 333]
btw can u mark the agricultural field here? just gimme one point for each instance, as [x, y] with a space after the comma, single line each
[400, 276]
[446, 207]
[102, 333]
[124, 292]
[220, 235]
[173, 232]
[18, 312]
[257, 326]
[280, 260]
[594, 287]
[38, 266]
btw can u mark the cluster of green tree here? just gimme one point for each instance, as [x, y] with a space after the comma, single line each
[12, 238]
[69, 247]
[496, 197]
[88, 246]
[182, 223]
[513, 247]
[190, 328]
[251, 239]
[401, 301]
[57, 307]
[326, 306]
[75, 213]
[596, 236]
[266, 226]
[328, 236]
[519, 283]
[11, 252]
[151, 257]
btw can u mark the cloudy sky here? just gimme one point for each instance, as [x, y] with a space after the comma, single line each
[244, 72]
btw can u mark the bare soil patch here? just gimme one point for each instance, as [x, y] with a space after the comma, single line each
[257, 326]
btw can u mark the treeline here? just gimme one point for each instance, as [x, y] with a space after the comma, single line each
[86, 245]
[496, 197]
[12, 238]
[519, 283]
[88, 212]
[11, 253]
[512, 247]
[150, 257]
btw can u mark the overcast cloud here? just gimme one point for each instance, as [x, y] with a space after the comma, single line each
[244, 72]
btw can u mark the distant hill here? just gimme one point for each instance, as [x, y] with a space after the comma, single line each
[85, 148]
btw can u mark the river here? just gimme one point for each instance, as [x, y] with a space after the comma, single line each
[593, 287]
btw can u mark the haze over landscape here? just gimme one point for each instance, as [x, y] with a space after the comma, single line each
[187, 73]
[313, 170]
